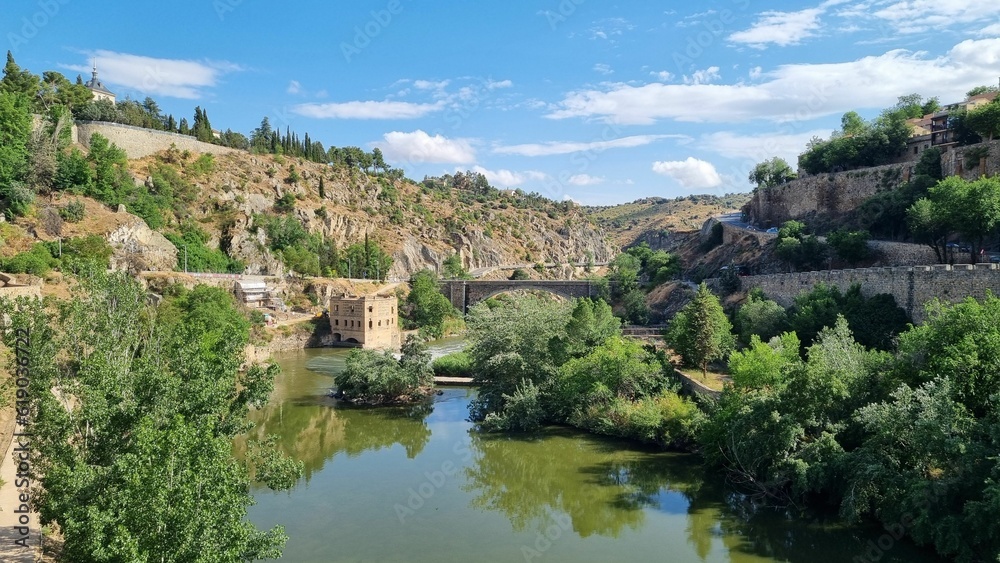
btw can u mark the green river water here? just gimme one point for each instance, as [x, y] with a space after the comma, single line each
[413, 484]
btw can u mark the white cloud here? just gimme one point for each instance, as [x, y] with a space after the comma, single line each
[916, 16]
[508, 178]
[566, 147]
[761, 146]
[294, 87]
[585, 180]
[418, 146]
[796, 91]
[366, 110]
[990, 31]
[174, 78]
[780, 28]
[496, 84]
[430, 85]
[706, 76]
[603, 68]
[662, 75]
[756, 72]
[691, 173]
[610, 27]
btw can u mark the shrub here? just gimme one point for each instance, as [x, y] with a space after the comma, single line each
[455, 364]
[37, 261]
[73, 211]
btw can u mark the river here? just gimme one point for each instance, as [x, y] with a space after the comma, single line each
[414, 484]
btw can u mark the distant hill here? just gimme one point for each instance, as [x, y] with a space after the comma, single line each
[240, 204]
[629, 222]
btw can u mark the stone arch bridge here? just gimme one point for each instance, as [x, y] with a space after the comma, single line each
[466, 293]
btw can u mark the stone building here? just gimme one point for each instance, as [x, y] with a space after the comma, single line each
[98, 89]
[369, 321]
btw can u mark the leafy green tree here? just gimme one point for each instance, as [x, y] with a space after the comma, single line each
[929, 225]
[972, 209]
[15, 137]
[759, 316]
[426, 307]
[985, 120]
[959, 342]
[792, 229]
[764, 364]
[700, 333]
[17, 81]
[772, 172]
[453, 268]
[590, 324]
[140, 466]
[519, 274]
[624, 273]
[374, 378]
[850, 246]
[984, 89]
[511, 351]
[851, 123]
[636, 310]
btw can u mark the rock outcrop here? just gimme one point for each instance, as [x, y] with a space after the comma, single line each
[137, 247]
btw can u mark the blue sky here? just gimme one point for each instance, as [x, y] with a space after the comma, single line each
[600, 102]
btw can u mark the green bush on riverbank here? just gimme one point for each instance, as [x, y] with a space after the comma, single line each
[540, 362]
[455, 364]
[907, 436]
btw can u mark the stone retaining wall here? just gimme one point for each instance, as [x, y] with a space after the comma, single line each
[138, 142]
[911, 286]
[828, 196]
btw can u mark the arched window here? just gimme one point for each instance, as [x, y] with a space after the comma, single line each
[369, 324]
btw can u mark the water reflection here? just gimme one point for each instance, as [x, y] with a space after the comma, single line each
[602, 487]
[618, 501]
[313, 427]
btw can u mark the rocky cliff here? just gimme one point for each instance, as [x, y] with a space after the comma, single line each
[420, 226]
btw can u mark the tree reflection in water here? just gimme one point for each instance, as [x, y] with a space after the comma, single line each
[316, 428]
[530, 479]
[606, 487]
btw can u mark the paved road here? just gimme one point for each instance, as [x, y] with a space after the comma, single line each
[735, 219]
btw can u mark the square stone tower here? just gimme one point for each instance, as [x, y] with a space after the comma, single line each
[369, 321]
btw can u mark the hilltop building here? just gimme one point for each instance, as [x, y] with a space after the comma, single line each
[935, 129]
[98, 89]
[369, 321]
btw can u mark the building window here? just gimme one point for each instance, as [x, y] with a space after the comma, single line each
[369, 324]
[380, 323]
[336, 322]
[369, 308]
[916, 149]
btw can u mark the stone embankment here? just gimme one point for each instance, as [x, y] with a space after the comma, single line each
[912, 286]
[825, 197]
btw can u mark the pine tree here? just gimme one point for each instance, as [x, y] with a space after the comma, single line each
[700, 332]
[322, 190]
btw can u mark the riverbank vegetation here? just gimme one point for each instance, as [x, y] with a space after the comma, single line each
[835, 402]
[133, 409]
[542, 362]
[377, 378]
